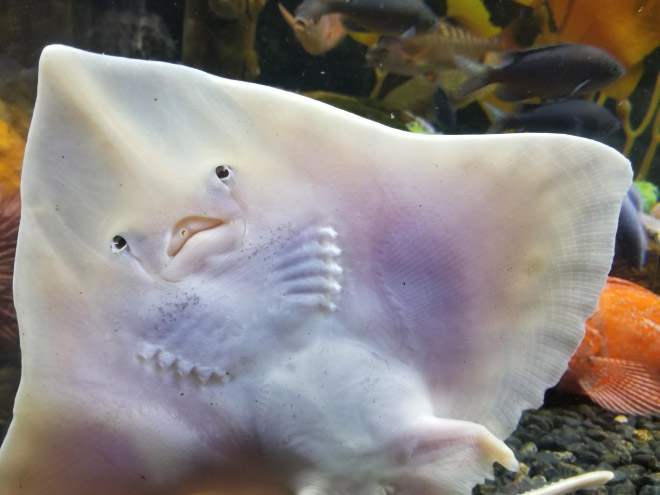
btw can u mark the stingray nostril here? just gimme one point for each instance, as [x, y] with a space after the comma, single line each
[119, 244]
[222, 172]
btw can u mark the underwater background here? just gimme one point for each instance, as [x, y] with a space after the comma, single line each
[418, 81]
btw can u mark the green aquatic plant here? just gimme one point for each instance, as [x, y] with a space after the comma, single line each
[649, 192]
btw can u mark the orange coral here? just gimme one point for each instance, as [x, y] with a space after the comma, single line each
[628, 29]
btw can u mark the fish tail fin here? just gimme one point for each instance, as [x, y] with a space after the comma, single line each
[500, 120]
[288, 16]
[478, 75]
[623, 386]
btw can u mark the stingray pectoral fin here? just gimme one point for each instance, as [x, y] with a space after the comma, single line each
[50, 455]
[492, 290]
[448, 455]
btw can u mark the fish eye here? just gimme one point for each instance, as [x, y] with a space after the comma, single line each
[119, 244]
[222, 172]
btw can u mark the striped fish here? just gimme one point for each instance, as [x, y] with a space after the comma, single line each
[430, 52]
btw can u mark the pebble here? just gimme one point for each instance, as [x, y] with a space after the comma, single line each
[588, 458]
[651, 479]
[596, 434]
[619, 476]
[647, 460]
[625, 488]
[643, 435]
[526, 451]
[650, 490]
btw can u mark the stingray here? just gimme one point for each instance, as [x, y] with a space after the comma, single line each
[226, 288]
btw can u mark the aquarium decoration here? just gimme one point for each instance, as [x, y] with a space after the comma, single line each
[649, 193]
[219, 35]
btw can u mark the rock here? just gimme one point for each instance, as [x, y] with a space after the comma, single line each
[596, 434]
[588, 457]
[526, 451]
[625, 430]
[647, 460]
[567, 470]
[651, 479]
[650, 490]
[625, 488]
[619, 476]
[642, 434]
[634, 472]
[586, 410]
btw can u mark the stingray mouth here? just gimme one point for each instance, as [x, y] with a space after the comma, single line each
[188, 228]
[198, 243]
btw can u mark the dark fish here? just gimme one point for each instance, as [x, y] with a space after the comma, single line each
[15, 78]
[386, 17]
[442, 111]
[430, 52]
[576, 117]
[142, 35]
[631, 240]
[555, 71]
[9, 67]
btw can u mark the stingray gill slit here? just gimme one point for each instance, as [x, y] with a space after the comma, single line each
[175, 366]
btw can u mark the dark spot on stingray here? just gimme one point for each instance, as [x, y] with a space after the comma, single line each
[222, 171]
[119, 244]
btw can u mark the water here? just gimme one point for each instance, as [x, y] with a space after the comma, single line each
[572, 434]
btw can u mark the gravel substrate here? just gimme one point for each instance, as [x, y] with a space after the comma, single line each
[561, 440]
[566, 437]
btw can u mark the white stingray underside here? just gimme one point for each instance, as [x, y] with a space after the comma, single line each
[352, 309]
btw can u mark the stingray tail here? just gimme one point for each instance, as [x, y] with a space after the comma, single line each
[478, 75]
[586, 481]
